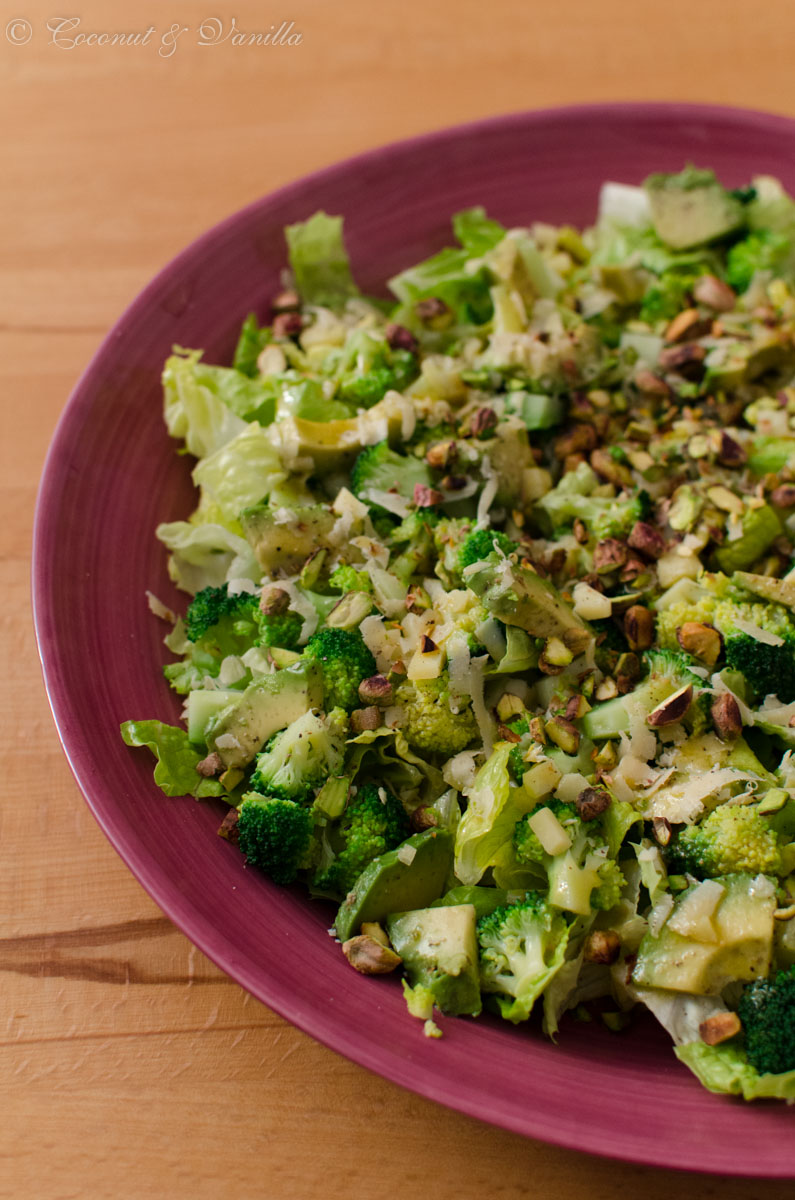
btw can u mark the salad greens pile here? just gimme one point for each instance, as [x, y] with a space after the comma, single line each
[492, 637]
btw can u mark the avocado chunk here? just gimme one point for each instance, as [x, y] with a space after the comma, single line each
[203, 705]
[778, 591]
[396, 881]
[439, 949]
[483, 899]
[269, 704]
[518, 596]
[692, 208]
[537, 410]
[285, 544]
[761, 527]
[742, 928]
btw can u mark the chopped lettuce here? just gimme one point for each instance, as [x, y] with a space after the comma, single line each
[175, 772]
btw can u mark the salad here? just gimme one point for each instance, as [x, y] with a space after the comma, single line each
[491, 641]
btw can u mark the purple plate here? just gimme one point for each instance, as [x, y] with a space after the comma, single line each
[112, 474]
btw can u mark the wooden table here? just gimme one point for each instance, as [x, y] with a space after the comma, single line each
[130, 1066]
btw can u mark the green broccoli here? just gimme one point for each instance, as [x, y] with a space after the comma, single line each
[522, 947]
[280, 629]
[344, 661]
[346, 578]
[613, 882]
[603, 517]
[763, 250]
[374, 821]
[430, 723]
[377, 371]
[516, 763]
[717, 600]
[222, 623]
[414, 540]
[767, 669]
[733, 838]
[297, 761]
[670, 292]
[526, 845]
[381, 468]
[275, 835]
[767, 1012]
[481, 543]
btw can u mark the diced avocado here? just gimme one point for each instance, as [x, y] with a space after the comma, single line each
[483, 899]
[284, 544]
[203, 705]
[692, 208]
[510, 456]
[518, 596]
[537, 410]
[580, 763]
[743, 926]
[761, 527]
[778, 591]
[439, 949]
[627, 283]
[267, 705]
[607, 720]
[397, 881]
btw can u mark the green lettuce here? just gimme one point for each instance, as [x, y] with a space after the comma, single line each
[319, 261]
[240, 473]
[489, 820]
[724, 1068]
[175, 772]
[206, 555]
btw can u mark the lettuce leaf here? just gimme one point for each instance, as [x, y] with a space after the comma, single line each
[206, 555]
[476, 232]
[240, 473]
[319, 261]
[724, 1068]
[488, 823]
[175, 772]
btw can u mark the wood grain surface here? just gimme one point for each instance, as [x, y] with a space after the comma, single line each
[129, 1065]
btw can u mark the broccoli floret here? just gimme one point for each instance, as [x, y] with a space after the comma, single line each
[298, 760]
[522, 946]
[373, 822]
[764, 250]
[385, 470]
[525, 842]
[416, 535]
[387, 370]
[767, 1012]
[516, 763]
[430, 724]
[721, 603]
[344, 661]
[481, 543]
[733, 838]
[223, 624]
[275, 835]
[608, 893]
[668, 294]
[602, 516]
[767, 669]
[280, 629]
[346, 578]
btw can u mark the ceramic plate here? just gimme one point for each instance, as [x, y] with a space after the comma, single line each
[113, 474]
